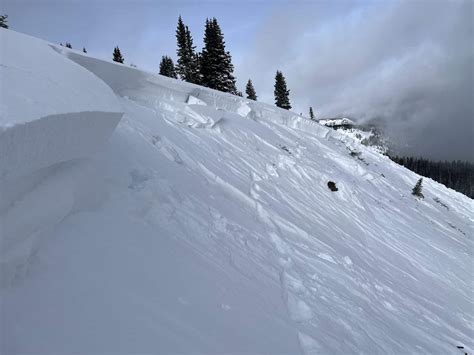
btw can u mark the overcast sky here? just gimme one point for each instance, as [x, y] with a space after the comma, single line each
[406, 64]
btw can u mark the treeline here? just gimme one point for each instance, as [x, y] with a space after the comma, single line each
[3, 21]
[457, 175]
[212, 67]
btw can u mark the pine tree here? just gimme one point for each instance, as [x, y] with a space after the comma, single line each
[216, 63]
[167, 67]
[281, 92]
[311, 113]
[117, 56]
[417, 189]
[250, 91]
[188, 60]
[3, 21]
[84, 50]
[68, 45]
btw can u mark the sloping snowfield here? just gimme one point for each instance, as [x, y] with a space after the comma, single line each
[204, 224]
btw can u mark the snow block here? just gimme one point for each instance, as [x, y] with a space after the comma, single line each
[192, 100]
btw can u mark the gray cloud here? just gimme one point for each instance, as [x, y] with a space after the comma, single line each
[406, 65]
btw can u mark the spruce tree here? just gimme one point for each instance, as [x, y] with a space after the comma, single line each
[194, 70]
[84, 50]
[216, 63]
[167, 67]
[3, 21]
[117, 56]
[311, 113]
[68, 45]
[182, 51]
[188, 60]
[417, 189]
[281, 92]
[250, 91]
[457, 175]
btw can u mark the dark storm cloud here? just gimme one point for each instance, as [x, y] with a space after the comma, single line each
[407, 65]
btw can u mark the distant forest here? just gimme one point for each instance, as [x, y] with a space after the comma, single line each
[457, 175]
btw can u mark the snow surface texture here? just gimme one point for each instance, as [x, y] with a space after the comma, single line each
[212, 230]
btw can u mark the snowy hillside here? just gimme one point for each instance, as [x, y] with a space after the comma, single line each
[204, 224]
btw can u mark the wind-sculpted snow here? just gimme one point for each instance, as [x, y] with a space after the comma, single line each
[215, 232]
[53, 112]
[38, 82]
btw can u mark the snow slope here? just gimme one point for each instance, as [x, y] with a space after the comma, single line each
[49, 116]
[208, 227]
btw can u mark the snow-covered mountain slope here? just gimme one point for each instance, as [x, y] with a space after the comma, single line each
[336, 122]
[50, 115]
[205, 225]
[368, 135]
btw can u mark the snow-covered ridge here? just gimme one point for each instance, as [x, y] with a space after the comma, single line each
[212, 230]
[366, 135]
[336, 122]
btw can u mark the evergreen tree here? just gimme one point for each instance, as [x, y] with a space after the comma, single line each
[84, 50]
[457, 175]
[167, 67]
[417, 189]
[182, 51]
[68, 45]
[216, 63]
[188, 61]
[194, 69]
[117, 56]
[281, 92]
[311, 113]
[3, 21]
[250, 91]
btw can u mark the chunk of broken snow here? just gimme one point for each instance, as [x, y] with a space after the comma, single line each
[244, 110]
[193, 100]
